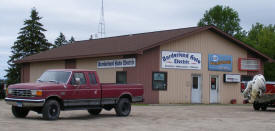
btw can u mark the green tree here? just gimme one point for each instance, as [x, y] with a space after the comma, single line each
[72, 40]
[223, 17]
[262, 38]
[60, 40]
[31, 40]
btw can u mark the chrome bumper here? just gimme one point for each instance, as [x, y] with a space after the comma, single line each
[25, 102]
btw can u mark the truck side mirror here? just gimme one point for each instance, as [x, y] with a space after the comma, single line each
[77, 81]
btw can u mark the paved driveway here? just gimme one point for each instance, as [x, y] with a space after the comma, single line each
[150, 118]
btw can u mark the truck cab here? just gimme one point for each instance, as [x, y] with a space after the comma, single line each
[71, 89]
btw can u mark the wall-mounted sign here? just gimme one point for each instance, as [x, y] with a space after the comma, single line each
[180, 60]
[249, 64]
[217, 62]
[232, 78]
[130, 62]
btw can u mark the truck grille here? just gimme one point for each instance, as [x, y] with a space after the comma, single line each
[21, 93]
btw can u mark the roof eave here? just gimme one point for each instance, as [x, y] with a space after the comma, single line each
[78, 57]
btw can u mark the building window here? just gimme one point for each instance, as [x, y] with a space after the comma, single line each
[159, 80]
[246, 78]
[195, 82]
[92, 78]
[213, 83]
[70, 64]
[121, 77]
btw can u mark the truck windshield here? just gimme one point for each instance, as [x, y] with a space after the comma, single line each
[54, 76]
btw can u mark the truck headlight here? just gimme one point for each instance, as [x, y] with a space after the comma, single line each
[9, 91]
[36, 92]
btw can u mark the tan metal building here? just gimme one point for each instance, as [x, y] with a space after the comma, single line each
[189, 65]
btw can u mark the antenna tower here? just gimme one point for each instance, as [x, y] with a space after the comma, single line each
[101, 25]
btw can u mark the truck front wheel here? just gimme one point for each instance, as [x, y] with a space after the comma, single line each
[19, 112]
[51, 110]
[123, 107]
[94, 111]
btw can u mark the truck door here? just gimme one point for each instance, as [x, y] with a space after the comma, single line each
[78, 90]
[95, 90]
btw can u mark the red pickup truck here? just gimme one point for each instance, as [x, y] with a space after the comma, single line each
[71, 89]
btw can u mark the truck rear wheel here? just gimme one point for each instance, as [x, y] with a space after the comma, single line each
[94, 111]
[123, 107]
[19, 112]
[263, 108]
[256, 106]
[51, 110]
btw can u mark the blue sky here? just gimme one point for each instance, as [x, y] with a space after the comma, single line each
[79, 18]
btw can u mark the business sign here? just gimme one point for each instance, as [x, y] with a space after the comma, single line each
[130, 62]
[249, 64]
[232, 78]
[180, 60]
[217, 62]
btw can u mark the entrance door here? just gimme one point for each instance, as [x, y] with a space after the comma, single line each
[196, 89]
[214, 89]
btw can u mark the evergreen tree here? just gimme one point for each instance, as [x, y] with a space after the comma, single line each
[31, 40]
[72, 40]
[60, 40]
[225, 18]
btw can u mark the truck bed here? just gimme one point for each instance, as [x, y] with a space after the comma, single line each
[266, 98]
[112, 90]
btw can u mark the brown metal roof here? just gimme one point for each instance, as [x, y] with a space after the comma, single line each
[127, 44]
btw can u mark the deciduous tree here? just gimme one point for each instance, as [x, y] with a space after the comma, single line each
[223, 17]
[262, 38]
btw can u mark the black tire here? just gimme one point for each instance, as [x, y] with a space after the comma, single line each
[263, 108]
[256, 106]
[123, 107]
[94, 111]
[51, 110]
[19, 112]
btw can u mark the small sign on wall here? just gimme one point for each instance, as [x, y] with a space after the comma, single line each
[180, 60]
[130, 62]
[249, 64]
[232, 78]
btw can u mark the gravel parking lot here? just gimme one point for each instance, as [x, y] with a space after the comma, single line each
[151, 118]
